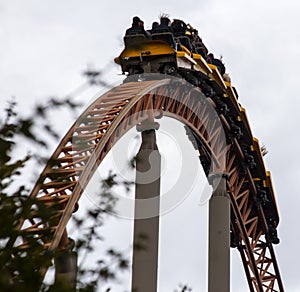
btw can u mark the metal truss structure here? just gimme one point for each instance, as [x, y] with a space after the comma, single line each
[103, 123]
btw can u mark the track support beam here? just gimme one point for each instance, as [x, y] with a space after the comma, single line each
[146, 228]
[219, 237]
[66, 264]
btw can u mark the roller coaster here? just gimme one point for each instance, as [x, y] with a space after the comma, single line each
[198, 86]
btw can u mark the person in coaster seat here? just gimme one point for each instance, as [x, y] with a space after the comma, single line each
[154, 25]
[164, 32]
[180, 28]
[217, 62]
[136, 28]
[164, 26]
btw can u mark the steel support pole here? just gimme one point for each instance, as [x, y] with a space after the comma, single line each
[66, 264]
[219, 237]
[146, 229]
[66, 270]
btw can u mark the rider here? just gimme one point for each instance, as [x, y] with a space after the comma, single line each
[179, 27]
[137, 27]
[164, 25]
[217, 62]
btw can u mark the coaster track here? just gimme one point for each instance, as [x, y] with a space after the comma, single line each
[107, 119]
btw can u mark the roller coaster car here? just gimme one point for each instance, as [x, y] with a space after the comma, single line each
[259, 171]
[218, 79]
[185, 41]
[243, 123]
[162, 54]
[270, 210]
[263, 179]
[266, 197]
[165, 37]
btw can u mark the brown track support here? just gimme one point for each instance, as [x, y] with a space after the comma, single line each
[81, 151]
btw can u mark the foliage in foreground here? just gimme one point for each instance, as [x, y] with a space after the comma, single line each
[21, 273]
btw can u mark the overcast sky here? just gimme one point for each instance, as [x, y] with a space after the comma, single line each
[45, 46]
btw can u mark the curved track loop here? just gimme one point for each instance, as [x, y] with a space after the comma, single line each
[101, 125]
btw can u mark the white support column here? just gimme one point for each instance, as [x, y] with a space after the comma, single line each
[219, 236]
[147, 192]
